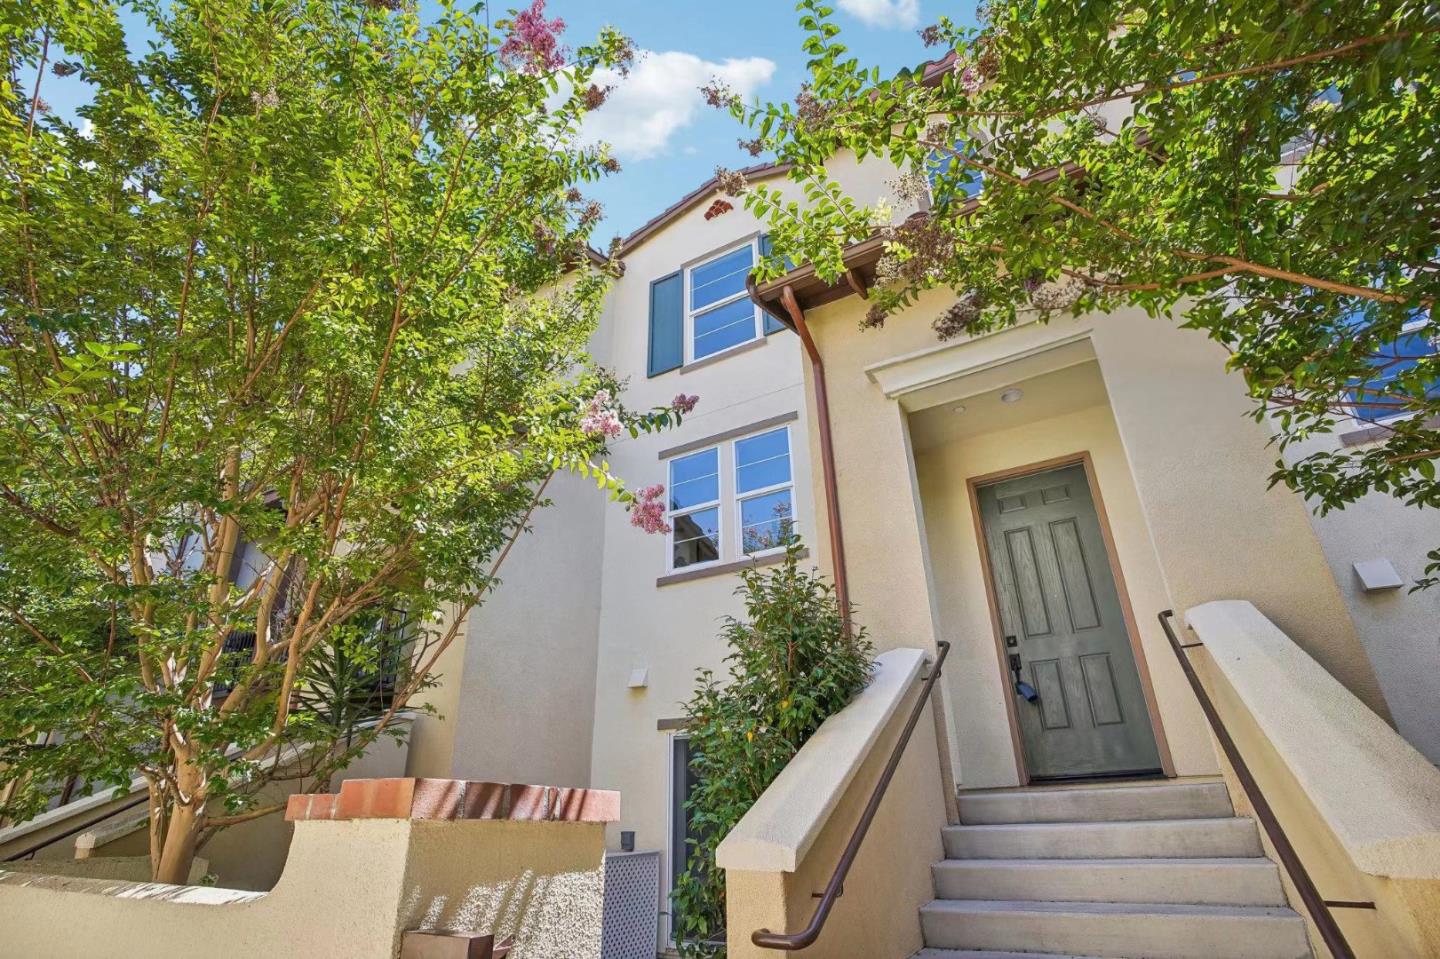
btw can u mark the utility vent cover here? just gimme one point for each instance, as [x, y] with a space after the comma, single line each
[632, 905]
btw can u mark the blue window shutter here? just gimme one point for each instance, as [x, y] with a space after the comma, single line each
[771, 324]
[667, 324]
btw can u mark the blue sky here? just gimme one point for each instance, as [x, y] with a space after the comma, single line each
[667, 140]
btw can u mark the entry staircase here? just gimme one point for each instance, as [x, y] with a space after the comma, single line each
[1131, 871]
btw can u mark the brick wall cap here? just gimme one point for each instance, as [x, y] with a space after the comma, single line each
[454, 799]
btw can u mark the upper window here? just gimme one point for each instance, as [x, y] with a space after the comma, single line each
[1373, 400]
[743, 489]
[718, 311]
[944, 165]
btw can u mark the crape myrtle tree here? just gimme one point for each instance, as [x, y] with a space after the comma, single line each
[1265, 170]
[288, 352]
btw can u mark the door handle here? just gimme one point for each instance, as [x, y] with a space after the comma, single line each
[1022, 688]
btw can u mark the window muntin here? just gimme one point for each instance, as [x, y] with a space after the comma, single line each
[723, 327]
[695, 480]
[719, 313]
[1370, 400]
[695, 508]
[765, 506]
[720, 278]
[762, 461]
[945, 165]
[766, 521]
[745, 487]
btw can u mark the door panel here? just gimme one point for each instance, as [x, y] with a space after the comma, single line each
[1060, 611]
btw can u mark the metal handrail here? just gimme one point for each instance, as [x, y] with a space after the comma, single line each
[1315, 904]
[791, 942]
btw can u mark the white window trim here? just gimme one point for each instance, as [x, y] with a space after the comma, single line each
[727, 465]
[753, 242]
[717, 504]
[740, 498]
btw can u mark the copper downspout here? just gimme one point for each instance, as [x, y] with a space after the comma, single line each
[827, 444]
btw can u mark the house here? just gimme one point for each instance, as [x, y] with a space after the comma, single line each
[1032, 497]
[1029, 500]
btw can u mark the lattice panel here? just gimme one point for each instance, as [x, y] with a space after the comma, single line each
[632, 905]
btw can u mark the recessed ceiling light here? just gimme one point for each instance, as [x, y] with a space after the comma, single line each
[1012, 395]
[958, 408]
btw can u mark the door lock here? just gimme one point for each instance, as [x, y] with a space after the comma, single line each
[1024, 689]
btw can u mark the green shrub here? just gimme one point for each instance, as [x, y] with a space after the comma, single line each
[790, 667]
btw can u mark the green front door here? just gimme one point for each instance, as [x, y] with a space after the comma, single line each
[1084, 712]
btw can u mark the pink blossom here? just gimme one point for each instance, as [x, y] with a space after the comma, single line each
[970, 80]
[647, 512]
[534, 42]
[683, 404]
[599, 419]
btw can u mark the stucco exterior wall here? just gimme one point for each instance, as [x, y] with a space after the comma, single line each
[1360, 805]
[1201, 468]
[673, 630]
[976, 685]
[526, 692]
[1198, 469]
[349, 890]
[1400, 629]
[878, 916]
[247, 856]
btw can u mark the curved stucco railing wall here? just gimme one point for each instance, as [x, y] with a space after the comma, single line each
[1361, 805]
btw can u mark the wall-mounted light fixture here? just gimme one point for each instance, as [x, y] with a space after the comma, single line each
[639, 677]
[1378, 574]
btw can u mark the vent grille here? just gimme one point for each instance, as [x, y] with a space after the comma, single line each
[632, 905]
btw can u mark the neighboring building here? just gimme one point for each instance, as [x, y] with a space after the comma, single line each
[1041, 492]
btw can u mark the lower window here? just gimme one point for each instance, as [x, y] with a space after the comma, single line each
[732, 500]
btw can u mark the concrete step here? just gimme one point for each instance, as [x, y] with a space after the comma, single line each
[1216, 882]
[1105, 929]
[1152, 839]
[1202, 800]
[987, 954]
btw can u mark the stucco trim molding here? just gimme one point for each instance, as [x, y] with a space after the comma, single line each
[729, 434]
[1020, 352]
[725, 569]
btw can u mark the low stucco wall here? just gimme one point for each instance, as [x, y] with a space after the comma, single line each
[789, 844]
[250, 855]
[1358, 802]
[350, 888]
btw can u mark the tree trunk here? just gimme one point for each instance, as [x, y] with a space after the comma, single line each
[177, 850]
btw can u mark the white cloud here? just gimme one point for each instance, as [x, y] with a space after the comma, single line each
[892, 14]
[661, 96]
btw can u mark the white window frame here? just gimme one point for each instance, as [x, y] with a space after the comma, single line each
[753, 242]
[717, 504]
[739, 497]
[727, 465]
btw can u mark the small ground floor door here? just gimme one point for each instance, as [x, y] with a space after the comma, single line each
[1071, 667]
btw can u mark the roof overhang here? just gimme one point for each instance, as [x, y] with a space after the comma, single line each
[860, 259]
